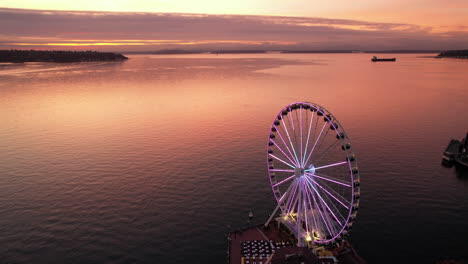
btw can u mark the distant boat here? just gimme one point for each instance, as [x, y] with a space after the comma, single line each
[374, 59]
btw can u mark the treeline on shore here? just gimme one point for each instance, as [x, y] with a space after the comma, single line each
[461, 54]
[19, 56]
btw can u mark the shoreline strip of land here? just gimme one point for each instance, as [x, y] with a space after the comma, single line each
[21, 56]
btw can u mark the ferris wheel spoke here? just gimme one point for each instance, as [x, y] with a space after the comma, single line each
[319, 209]
[279, 170]
[310, 217]
[323, 138]
[281, 160]
[295, 137]
[334, 192]
[286, 145]
[337, 211]
[308, 213]
[315, 129]
[285, 180]
[299, 215]
[317, 140]
[291, 193]
[329, 222]
[315, 144]
[329, 165]
[327, 192]
[333, 205]
[294, 199]
[308, 136]
[328, 149]
[290, 118]
[304, 208]
[328, 178]
[325, 203]
[314, 222]
[290, 141]
[300, 127]
[286, 193]
[293, 162]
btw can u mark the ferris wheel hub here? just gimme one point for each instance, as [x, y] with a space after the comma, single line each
[299, 172]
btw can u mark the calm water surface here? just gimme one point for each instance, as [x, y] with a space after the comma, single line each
[149, 160]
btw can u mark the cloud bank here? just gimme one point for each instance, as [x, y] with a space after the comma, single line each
[119, 31]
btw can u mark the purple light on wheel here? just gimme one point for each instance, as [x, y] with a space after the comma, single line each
[330, 165]
[285, 180]
[328, 179]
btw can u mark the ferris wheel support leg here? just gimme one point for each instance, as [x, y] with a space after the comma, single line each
[272, 215]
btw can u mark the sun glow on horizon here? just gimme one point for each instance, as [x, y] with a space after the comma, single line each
[80, 43]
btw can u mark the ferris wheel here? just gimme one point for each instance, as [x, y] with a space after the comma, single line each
[313, 174]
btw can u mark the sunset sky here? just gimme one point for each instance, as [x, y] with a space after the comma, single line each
[119, 25]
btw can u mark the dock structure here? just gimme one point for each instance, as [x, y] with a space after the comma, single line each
[274, 244]
[452, 149]
[456, 152]
[462, 157]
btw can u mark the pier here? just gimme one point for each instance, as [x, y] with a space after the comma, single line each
[275, 244]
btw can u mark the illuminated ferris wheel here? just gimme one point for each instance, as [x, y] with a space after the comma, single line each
[313, 174]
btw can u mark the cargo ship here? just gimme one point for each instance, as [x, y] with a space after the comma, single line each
[374, 59]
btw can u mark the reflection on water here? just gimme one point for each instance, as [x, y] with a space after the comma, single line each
[149, 160]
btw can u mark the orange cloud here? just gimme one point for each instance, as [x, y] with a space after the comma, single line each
[79, 43]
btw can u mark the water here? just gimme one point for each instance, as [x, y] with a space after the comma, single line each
[149, 160]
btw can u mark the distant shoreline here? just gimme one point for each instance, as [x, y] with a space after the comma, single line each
[181, 51]
[455, 54]
[21, 56]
